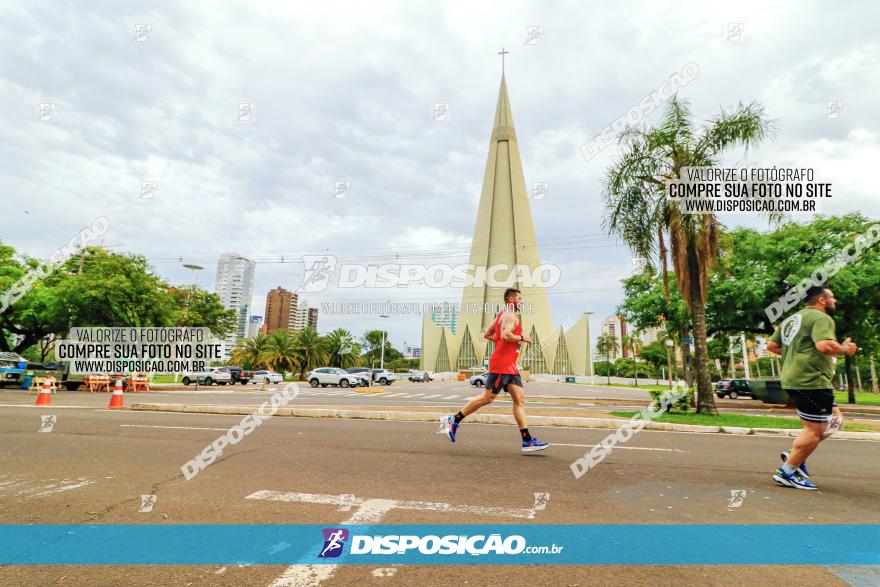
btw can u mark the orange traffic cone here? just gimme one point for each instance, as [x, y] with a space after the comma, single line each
[116, 400]
[45, 397]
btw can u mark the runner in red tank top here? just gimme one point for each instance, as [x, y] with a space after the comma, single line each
[506, 333]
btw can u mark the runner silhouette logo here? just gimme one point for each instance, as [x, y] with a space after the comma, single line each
[334, 540]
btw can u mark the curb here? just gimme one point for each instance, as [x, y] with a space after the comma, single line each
[551, 421]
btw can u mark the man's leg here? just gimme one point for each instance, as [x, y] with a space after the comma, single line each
[806, 442]
[478, 402]
[518, 395]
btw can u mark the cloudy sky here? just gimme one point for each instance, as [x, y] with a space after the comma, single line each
[343, 91]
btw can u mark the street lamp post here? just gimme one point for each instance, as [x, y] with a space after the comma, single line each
[382, 360]
[592, 371]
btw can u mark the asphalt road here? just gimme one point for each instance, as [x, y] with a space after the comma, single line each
[95, 464]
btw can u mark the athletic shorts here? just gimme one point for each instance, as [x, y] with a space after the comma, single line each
[496, 382]
[813, 405]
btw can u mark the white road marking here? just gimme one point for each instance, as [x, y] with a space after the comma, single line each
[47, 407]
[384, 571]
[172, 427]
[26, 489]
[451, 397]
[430, 396]
[621, 447]
[370, 511]
[414, 395]
[64, 486]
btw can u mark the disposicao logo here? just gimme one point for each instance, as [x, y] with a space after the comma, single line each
[334, 540]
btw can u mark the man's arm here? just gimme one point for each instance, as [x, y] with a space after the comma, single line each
[831, 347]
[774, 347]
[825, 339]
[508, 323]
[490, 334]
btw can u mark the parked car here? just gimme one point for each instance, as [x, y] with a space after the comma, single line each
[733, 388]
[218, 375]
[363, 372]
[325, 376]
[264, 376]
[383, 376]
[479, 380]
[421, 376]
[239, 375]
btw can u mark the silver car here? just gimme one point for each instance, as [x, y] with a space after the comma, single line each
[479, 380]
[333, 376]
[264, 376]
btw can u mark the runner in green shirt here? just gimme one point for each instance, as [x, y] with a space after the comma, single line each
[807, 342]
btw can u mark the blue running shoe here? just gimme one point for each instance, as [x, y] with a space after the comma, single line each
[448, 426]
[802, 469]
[534, 445]
[453, 428]
[793, 480]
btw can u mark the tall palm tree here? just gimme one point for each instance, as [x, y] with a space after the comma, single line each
[280, 353]
[310, 353]
[639, 212]
[342, 349]
[606, 345]
[634, 343]
[248, 352]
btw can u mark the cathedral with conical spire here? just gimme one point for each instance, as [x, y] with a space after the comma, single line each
[504, 236]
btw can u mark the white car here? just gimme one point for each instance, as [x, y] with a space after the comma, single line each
[332, 376]
[479, 380]
[219, 375]
[383, 376]
[264, 376]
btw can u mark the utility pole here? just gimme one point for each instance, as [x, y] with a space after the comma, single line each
[382, 360]
[745, 356]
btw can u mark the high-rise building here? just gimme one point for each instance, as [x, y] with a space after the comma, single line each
[615, 327]
[280, 309]
[235, 285]
[504, 236]
[304, 316]
[255, 326]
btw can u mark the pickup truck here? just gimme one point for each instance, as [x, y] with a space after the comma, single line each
[239, 375]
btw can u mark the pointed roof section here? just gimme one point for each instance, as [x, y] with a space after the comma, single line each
[504, 234]
[502, 128]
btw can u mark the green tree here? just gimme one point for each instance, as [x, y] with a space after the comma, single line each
[606, 345]
[638, 208]
[633, 343]
[342, 349]
[310, 350]
[248, 352]
[197, 307]
[373, 344]
[100, 288]
[281, 351]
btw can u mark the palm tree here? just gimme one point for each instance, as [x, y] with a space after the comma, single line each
[637, 207]
[248, 352]
[310, 353]
[606, 345]
[280, 353]
[633, 343]
[342, 350]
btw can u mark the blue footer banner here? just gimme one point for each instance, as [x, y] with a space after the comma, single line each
[380, 544]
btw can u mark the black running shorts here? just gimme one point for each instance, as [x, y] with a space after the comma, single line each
[813, 405]
[496, 382]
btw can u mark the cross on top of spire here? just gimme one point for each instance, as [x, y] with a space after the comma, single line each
[503, 53]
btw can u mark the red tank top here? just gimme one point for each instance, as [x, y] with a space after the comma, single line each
[506, 354]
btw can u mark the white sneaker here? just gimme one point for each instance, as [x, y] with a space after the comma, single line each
[833, 426]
